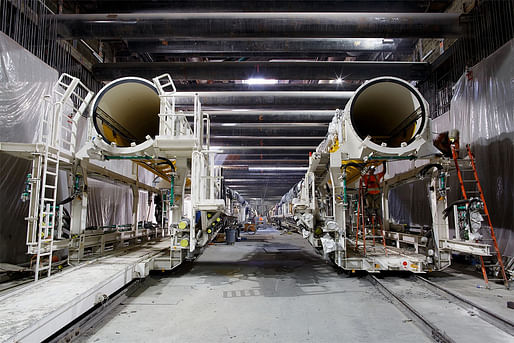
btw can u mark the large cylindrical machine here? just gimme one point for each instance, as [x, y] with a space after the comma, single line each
[385, 116]
[126, 112]
[388, 110]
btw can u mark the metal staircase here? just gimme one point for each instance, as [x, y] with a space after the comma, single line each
[472, 193]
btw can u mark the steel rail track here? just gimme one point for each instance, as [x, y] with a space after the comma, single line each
[424, 324]
[484, 313]
[432, 331]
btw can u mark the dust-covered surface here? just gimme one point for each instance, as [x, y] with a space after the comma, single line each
[35, 304]
[268, 288]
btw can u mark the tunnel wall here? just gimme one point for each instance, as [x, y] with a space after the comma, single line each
[24, 80]
[482, 109]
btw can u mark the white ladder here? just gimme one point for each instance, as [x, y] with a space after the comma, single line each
[58, 132]
[48, 199]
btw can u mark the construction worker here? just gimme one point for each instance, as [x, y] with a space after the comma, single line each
[372, 189]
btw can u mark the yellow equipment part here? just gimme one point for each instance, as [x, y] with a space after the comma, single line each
[353, 173]
[112, 137]
[335, 146]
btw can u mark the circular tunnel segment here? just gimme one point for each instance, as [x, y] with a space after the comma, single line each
[126, 111]
[388, 110]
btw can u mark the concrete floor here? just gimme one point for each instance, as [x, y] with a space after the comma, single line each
[469, 284]
[269, 288]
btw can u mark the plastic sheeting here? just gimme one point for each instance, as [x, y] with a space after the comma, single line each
[108, 204]
[24, 80]
[482, 109]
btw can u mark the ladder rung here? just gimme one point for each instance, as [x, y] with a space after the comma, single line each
[46, 240]
[43, 268]
[51, 173]
[50, 186]
[48, 199]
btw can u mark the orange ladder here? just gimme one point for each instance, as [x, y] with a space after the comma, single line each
[464, 187]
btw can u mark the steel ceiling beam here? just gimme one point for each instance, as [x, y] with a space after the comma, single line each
[193, 25]
[267, 131]
[276, 116]
[260, 148]
[264, 46]
[277, 188]
[263, 155]
[258, 151]
[259, 181]
[277, 113]
[291, 70]
[261, 143]
[111, 6]
[264, 158]
[214, 137]
[239, 170]
[269, 125]
[238, 87]
[267, 99]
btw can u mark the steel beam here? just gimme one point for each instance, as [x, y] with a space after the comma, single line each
[246, 181]
[267, 99]
[314, 70]
[265, 138]
[261, 186]
[130, 6]
[274, 116]
[267, 144]
[265, 46]
[254, 24]
[238, 87]
[282, 131]
[262, 155]
[261, 148]
[296, 125]
[257, 151]
[246, 173]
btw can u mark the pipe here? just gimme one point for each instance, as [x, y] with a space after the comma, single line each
[278, 70]
[126, 111]
[254, 24]
[389, 110]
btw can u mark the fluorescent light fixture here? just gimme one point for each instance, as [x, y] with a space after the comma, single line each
[228, 124]
[260, 81]
[240, 110]
[339, 80]
[276, 168]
